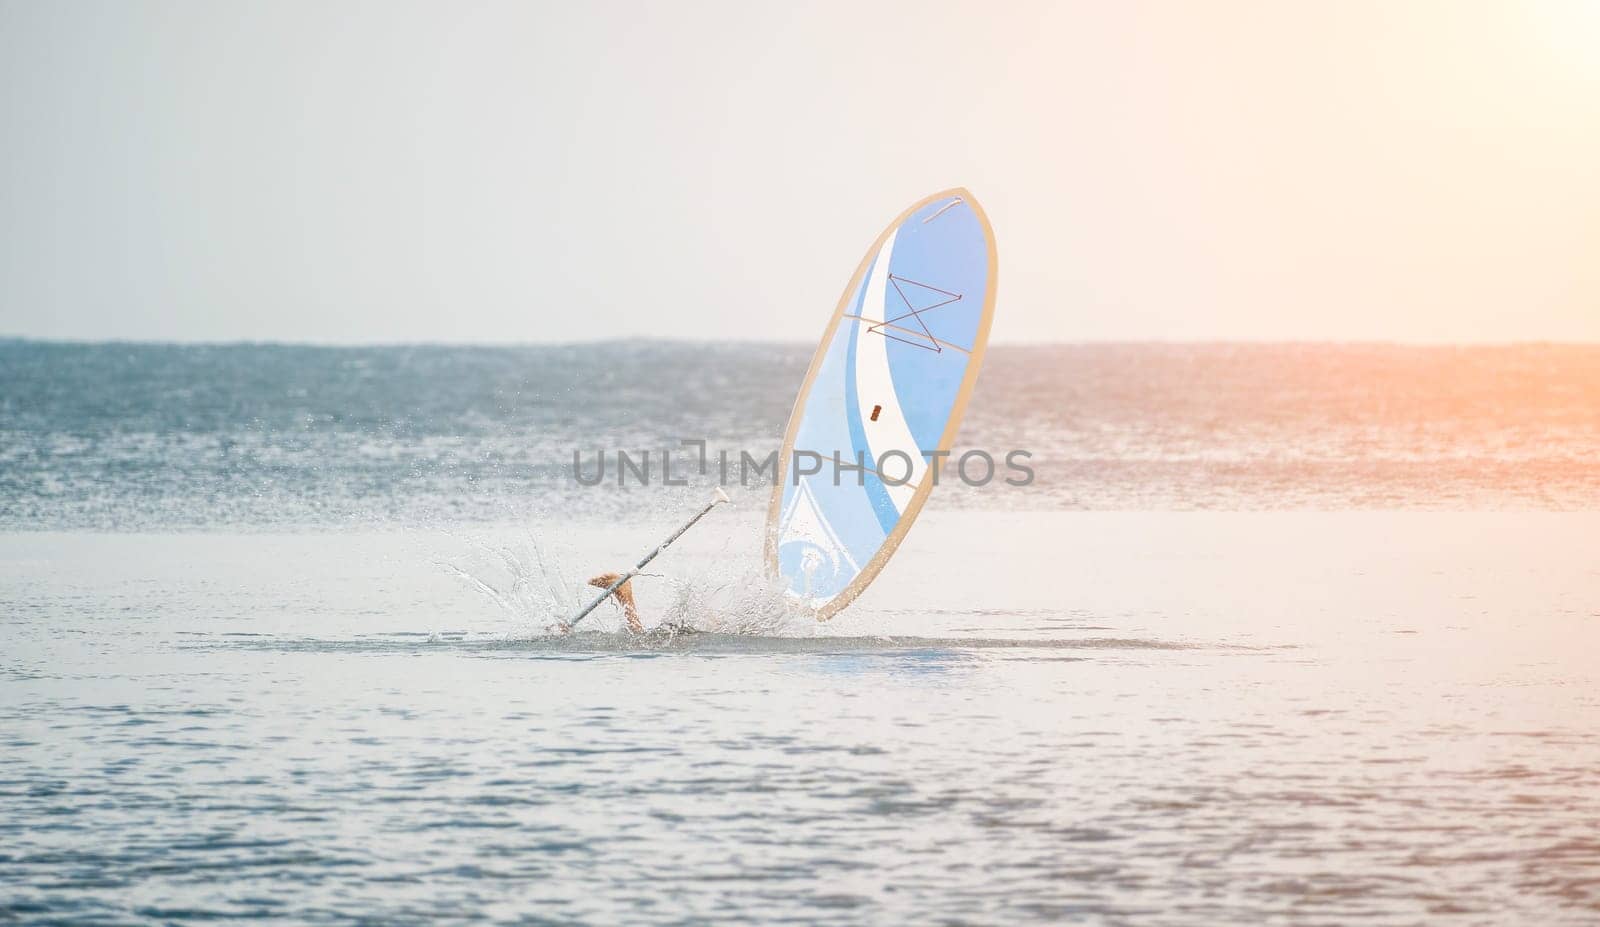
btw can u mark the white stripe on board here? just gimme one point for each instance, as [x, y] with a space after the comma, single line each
[875, 387]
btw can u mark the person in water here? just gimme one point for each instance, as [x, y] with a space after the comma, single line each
[624, 596]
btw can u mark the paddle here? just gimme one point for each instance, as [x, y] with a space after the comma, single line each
[717, 499]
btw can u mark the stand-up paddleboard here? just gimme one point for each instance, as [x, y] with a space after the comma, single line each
[885, 389]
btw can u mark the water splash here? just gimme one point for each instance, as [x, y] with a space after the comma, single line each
[745, 601]
[527, 581]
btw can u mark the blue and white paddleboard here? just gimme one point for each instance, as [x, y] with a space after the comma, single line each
[885, 391]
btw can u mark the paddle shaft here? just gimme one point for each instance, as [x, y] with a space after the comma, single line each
[644, 560]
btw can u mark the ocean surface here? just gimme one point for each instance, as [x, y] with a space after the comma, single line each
[1278, 635]
[135, 437]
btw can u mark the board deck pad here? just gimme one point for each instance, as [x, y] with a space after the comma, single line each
[886, 389]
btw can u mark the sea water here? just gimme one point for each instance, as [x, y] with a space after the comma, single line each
[1280, 634]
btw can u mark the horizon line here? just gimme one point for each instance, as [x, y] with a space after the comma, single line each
[665, 340]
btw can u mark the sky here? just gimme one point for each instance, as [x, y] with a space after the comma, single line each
[537, 172]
